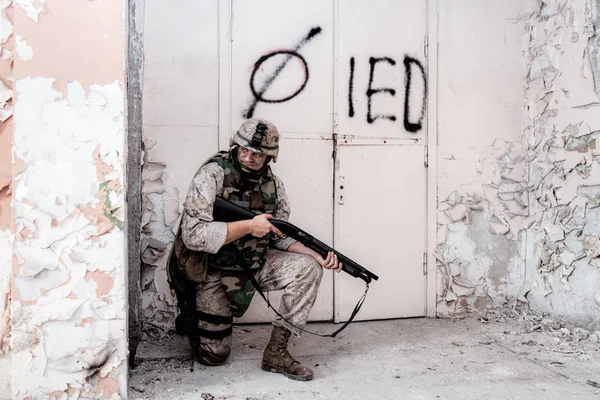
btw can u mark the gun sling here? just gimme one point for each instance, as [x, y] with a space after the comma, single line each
[227, 211]
[248, 271]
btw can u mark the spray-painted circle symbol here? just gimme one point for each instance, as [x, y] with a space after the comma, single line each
[259, 96]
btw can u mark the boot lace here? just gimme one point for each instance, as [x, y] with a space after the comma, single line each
[282, 344]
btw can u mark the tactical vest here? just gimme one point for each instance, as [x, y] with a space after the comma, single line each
[193, 265]
[262, 198]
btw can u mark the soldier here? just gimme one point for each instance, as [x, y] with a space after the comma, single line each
[206, 267]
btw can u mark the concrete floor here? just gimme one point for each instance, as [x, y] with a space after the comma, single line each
[397, 359]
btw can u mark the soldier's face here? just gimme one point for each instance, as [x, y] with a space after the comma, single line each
[250, 159]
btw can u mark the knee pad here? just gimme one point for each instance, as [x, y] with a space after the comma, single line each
[207, 357]
[203, 353]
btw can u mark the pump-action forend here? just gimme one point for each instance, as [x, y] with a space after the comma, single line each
[226, 211]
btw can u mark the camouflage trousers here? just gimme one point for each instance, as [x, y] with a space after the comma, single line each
[298, 275]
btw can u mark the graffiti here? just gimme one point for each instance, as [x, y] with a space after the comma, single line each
[258, 95]
[409, 126]
[412, 66]
[409, 62]
[351, 89]
[370, 91]
[289, 54]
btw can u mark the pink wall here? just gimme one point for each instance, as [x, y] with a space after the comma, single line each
[68, 306]
[6, 136]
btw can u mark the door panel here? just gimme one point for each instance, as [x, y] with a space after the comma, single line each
[380, 212]
[380, 216]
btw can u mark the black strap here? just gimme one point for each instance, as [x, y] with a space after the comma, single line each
[186, 301]
[248, 271]
[259, 132]
[221, 334]
[214, 319]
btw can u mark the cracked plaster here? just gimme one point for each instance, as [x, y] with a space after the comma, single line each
[68, 250]
[63, 329]
[562, 127]
[540, 192]
[161, 210]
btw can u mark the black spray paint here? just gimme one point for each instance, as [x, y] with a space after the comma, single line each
[409, 126]
[408, 62]
[371, 117]
[259, 94]
[351, 89]
[370, 91]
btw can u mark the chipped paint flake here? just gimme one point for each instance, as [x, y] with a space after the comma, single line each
[561, 130]
[6, 239]
[33, 8]
[6, 106]
[75, 128]
[24, 51]
[6, 27]
[161, 210]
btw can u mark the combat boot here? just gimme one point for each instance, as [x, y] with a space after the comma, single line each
[276, 357]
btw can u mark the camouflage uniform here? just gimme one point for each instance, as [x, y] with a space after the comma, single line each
[227, 292]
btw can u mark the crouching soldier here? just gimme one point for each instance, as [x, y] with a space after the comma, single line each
[211, 261]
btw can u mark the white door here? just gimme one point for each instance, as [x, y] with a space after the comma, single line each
[332, 75]
[380, 213]
[380, 199]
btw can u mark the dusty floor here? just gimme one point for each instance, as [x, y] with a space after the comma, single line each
[500, 356]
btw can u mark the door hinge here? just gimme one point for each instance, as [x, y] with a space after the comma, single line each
[426, 156]
[424, 263]
[426, 46]
[334, 144]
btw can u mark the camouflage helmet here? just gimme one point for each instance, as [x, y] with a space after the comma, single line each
[258, 135]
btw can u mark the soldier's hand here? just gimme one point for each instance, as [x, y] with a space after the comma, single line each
[331, 262]
[260, 226]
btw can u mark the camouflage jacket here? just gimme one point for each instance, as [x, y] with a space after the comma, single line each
[200, 237]
[260, 197]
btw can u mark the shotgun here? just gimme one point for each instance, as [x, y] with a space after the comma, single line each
[226, 211]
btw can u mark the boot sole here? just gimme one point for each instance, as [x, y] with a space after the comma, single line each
[270, 368]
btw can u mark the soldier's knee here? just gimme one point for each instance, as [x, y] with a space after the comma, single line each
[313, 270]
[212, 358]
[210, 355]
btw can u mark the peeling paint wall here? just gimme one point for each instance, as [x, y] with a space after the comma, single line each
[180, 124]
[65, 251]
[519, 188]
[6, 236]
[562, 126]
[482, 201]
